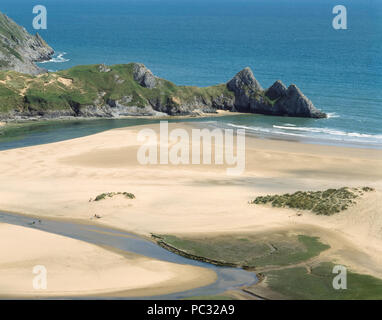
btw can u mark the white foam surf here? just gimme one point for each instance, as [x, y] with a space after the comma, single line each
[326, 134]
[332, 115]
[329, 131]
[58, 58]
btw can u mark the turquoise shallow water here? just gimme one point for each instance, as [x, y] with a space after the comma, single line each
[207, 42]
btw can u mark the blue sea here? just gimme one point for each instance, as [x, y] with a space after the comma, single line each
[205, 42]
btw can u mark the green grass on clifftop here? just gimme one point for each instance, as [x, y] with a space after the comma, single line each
[82, 86]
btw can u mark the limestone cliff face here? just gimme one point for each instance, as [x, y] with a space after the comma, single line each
[294, 103]
[144, 76]
[19, 50]
[245, 94]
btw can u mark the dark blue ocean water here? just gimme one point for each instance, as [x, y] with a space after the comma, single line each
[204, 42]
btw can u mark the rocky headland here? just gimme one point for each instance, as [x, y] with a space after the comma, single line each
[132, 90]
[19, 50]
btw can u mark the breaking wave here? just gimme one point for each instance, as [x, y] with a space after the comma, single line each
[324, 134]
[58, 58]
[329, 131]
[332, 115]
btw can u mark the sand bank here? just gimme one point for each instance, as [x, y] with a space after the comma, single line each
[76, 268]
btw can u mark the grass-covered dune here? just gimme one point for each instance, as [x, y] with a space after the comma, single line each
[326, 202]
[109, 195]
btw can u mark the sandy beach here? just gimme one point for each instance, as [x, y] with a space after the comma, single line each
[58, 180]
[76, 268]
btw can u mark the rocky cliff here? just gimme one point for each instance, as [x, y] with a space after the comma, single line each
[276, 100]
[132, 89]
[19, 50]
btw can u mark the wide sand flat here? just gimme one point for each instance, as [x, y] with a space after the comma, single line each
[76, 268]
[58, 179]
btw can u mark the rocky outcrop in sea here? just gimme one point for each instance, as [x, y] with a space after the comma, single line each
[276, 100]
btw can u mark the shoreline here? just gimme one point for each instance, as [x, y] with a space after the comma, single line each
[218, 113]
[188, 119]
[304, 139]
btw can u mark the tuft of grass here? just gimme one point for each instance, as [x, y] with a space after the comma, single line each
[326, 202]
[104, 196]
